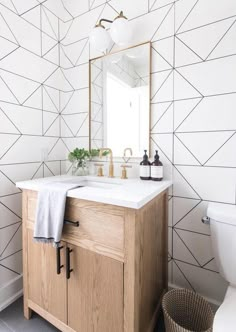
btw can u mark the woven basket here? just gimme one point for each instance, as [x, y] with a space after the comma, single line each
[185, 311]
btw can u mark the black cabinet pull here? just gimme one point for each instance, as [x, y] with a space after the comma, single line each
[68, 269]
[72, 223]
[59, 266]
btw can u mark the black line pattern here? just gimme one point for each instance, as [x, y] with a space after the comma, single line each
[193, 104]
[31, 104]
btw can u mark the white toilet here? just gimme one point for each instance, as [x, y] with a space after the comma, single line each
[222, 220]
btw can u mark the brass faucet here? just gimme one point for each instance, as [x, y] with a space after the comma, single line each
[111, 166]
[124, 156]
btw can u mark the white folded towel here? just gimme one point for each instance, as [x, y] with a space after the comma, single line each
[50, 212]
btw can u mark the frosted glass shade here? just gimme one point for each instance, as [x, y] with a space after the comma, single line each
[121, 32]
[100, 39]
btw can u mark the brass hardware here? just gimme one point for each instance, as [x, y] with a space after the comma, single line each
[124, 171]
[99, 24]
[100, 169]
[90, 88]
[111, 166]
[124, 156]
[121, 15]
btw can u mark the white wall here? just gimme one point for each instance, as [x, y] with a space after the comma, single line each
[44, 104]
[31, 94]
[193, 112]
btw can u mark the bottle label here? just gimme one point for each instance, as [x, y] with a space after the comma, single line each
[145, 171]
[157, 172]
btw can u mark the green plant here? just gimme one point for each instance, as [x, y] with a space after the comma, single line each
[95, 153]
[80, 155]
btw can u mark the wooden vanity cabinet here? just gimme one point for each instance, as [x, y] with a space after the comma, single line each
[118, 263]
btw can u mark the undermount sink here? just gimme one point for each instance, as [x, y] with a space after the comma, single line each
[96, 184]
[105, 183]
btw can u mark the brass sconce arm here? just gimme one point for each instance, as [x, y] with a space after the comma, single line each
[99, 24]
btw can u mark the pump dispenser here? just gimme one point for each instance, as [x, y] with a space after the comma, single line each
[157, 168]
[145, 167]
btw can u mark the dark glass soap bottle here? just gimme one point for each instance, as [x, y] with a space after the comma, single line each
[145, 167]
[157, 168]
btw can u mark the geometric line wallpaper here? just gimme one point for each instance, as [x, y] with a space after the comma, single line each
[44, 103]
[34, 136]
[193, 116]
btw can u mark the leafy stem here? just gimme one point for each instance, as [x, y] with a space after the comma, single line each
[81, 155]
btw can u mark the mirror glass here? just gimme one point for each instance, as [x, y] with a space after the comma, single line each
[120, 101]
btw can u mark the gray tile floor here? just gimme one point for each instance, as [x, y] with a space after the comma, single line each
[12, 320]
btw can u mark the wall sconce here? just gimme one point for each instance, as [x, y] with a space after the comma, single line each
[120, 33]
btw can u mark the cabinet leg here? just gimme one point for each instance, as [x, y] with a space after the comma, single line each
[27, 311]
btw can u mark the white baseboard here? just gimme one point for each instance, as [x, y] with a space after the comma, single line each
[215, 304]
[11, 291]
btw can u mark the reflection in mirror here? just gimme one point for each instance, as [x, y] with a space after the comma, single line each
[120, 101]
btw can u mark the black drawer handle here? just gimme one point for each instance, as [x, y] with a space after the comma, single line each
[68, 269]
[59, 266]
[72, 223]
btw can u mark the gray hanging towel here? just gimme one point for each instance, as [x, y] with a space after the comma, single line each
[50, 212]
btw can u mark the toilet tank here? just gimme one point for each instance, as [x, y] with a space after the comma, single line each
[223, 232]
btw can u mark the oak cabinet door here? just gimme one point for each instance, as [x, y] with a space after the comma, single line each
[95, 292]
[45, 287]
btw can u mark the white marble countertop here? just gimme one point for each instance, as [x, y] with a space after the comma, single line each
[131, 193]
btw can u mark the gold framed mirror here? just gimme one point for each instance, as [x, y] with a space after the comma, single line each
[119, 100]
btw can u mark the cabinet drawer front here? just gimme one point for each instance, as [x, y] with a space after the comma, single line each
[100, 223]
[101, 226]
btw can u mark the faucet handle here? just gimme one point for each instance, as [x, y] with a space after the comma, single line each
[124, 171]
[100, 169]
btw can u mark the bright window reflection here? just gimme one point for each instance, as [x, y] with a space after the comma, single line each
[126, 120]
